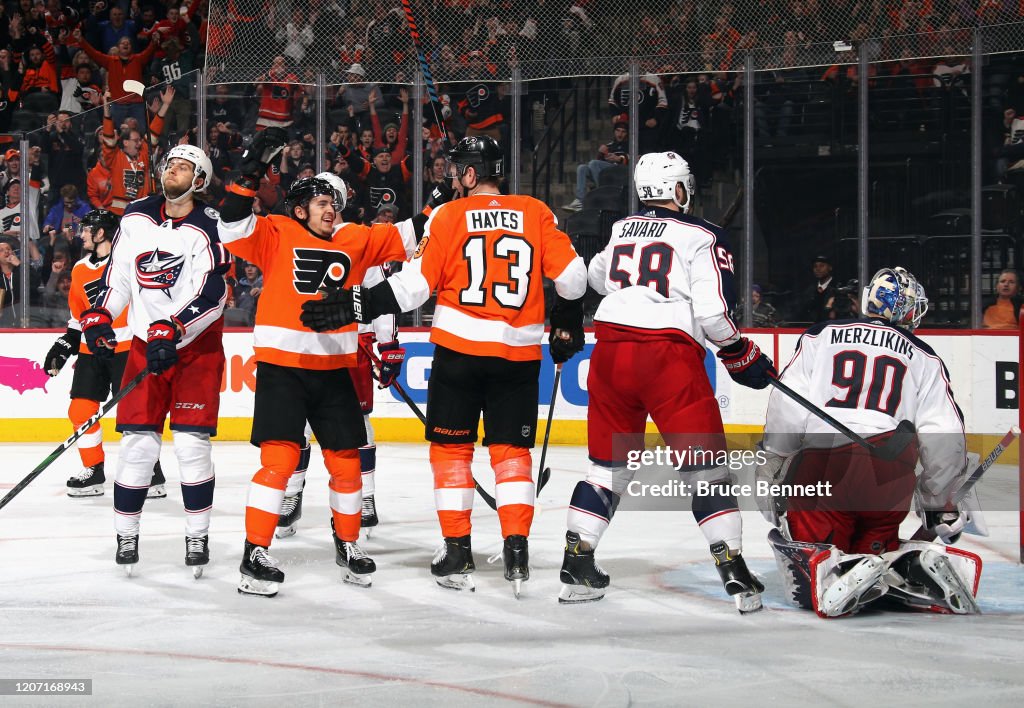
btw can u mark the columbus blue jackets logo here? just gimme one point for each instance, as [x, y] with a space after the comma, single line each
[315, 269]
[158, 270]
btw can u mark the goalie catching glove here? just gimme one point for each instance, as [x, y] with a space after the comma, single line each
[747, 364]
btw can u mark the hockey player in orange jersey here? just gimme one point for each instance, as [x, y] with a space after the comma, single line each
[302, 375]
[486, 255]
[94, 377]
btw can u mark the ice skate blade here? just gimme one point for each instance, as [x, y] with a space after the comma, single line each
[747, 603]
[362, 581]
[368, 530]
[284, 531]
[578, 594]
[94, 491]
[261, 588]
[128, 569]
[517, 587]
[157, 491]
[457, 581]
[197, 571]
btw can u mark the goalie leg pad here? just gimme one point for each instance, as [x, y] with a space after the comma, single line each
[793, 559]
[933, 577]
[844, 583]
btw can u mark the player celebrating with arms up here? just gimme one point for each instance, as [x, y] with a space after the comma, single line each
[167, 266]
[485, 254]
[668, 281]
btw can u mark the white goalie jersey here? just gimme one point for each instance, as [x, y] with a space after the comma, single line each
[871, 375]
[665, 270]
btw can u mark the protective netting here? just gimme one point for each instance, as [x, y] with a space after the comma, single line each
[467, 40]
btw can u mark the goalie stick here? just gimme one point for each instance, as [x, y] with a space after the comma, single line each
[375, 368]
[923, 534]
[125, 390]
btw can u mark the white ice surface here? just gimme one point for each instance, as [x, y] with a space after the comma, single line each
[666, 634]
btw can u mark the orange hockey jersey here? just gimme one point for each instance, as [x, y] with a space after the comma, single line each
[487, 255]
[86, 283]
[295, 265]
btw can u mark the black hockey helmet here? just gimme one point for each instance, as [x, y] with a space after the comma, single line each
[102, 219]
[481, 153]
[302, 190]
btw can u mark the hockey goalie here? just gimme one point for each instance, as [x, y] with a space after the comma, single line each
[840, 551]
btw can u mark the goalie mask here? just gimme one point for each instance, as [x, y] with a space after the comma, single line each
[201, 165]
[893, 295]
[657, 174]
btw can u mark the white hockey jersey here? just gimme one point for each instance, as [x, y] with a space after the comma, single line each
[164, 268]
[385, 327]
[871, 375]
[665, 270]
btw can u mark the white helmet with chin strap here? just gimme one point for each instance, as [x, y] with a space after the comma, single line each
[339, 187]
[657, 174]
[201, 164]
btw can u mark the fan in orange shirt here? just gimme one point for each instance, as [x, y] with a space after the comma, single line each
[486, 255]
[95, 377]
[301, 375]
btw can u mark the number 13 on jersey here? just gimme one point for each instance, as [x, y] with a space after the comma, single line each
[508, 263]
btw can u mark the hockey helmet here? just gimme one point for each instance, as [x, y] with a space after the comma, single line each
[479, 152]
[340, 189]
[201, 164]
[102, 219]
[303, 190]
[892, 295]
[657, 174]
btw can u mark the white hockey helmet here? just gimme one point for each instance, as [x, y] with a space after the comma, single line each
[657, 174]
[892, 295]
[200, 162]
[340, 188]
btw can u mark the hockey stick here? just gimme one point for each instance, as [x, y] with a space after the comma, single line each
[893, 447]
[545, 472]
[435, 100]
[375, 369]
[82, 429]
[923, 534]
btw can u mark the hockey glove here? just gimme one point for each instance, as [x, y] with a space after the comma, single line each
[947, 525]
[63, 349]
[440, 194]
[336, 308]
[392, 355]
[162, 346]
[267, 145]
[747, 364]
[566, 339]
[97, 327]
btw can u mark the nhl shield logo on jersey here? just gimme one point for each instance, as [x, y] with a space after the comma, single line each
[158, 270]
[316, 268]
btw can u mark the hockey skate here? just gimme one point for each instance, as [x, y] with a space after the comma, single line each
[453, 565]
[88, 482]
[582, 578]
[355, 565]
[291, 512]
[368, 518]
[260, 574]
[516, 555]
[846, 583]
[127, 552]
[157, 485]
[926, 580]
[197, 554]
[744, 587]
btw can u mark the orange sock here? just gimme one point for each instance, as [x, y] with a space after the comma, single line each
[346, 492]
[453, 487]
[514, 490]
[90, 445]
[266, 491]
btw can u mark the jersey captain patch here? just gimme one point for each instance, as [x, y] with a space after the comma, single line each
[158, 270]
[316, 268]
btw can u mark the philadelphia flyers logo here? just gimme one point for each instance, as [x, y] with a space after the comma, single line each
[379, 196]
[93, 290]
[477, 95]
[315, 269]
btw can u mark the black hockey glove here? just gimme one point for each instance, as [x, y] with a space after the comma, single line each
[162, 339]
[63, 349]
[336, 308]
[267, 145]
[747, 364]
[98, 330]
[947, 525]
[442, 193]
[566, 339]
